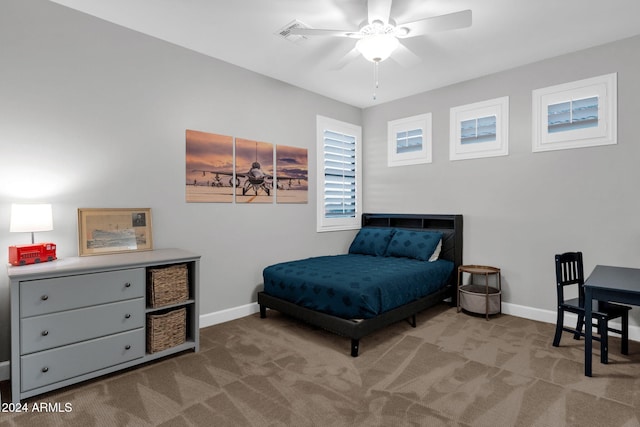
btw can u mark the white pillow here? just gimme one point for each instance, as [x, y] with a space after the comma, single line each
[436, 252]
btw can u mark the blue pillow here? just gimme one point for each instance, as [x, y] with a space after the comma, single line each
[418, 244]
[371, 241]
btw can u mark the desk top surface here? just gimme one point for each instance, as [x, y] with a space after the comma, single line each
[618, 278]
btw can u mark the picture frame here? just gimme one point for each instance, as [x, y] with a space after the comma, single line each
[409, 141]
[292, 174]
[479, 130]
[578, 114]
[209, 167]
[254, 164]
[114, 230]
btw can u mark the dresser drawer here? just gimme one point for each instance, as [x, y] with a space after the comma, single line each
[63, 363]
[66, 293]
[67, 327]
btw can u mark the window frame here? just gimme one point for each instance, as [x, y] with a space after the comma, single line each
[604, 133]
[323, 223]
[421, 122]
[499, 146]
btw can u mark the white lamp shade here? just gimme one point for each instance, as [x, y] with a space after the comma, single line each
[377, 47]
[28, 218]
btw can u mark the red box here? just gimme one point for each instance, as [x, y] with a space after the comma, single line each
[32, 254]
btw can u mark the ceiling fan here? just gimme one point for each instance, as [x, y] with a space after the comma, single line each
[379, 36]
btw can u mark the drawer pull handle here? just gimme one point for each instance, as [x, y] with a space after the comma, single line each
[45, 333]
[44, 297]
[127, 347]
[127, 285]
[127, 316]
[45, 369]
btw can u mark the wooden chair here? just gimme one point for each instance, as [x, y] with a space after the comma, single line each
[569, 271]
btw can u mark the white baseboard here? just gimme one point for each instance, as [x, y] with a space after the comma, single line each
[222, 316]
[549, 316]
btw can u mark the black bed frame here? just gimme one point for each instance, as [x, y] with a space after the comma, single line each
[449, 225]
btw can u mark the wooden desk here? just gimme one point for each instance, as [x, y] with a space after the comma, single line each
[606, 283]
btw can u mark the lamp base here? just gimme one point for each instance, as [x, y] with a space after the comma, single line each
[32, 254]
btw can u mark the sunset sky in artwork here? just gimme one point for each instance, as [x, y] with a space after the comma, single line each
[291, 162]
[246, 155]
[208, 151]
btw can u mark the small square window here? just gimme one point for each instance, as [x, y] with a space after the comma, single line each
[479, 130]
[409, 141]
[574, 115]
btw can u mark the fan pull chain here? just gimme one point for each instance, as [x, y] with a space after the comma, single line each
[375, 78]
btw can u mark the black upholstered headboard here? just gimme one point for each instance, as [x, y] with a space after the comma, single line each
[449, 225]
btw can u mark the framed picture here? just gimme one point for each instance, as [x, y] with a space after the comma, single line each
[575, 115]
[254, 171]
[292, 174]
[209, 161]
[479, 130]
[409, 141]
[114, 230]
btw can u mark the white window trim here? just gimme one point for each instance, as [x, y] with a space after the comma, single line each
[498, 107]
[336, 224]
[604, 87]
[423, 122]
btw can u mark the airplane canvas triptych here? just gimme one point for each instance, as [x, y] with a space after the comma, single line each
[224, 169]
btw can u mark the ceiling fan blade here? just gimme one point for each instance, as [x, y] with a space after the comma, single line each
[405, 57]
[450, 21]
[346, 59]
[319, 32]
[379, 10]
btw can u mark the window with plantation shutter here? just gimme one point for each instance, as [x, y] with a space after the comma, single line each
[338, 175]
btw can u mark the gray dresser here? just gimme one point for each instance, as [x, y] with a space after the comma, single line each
[77, 318]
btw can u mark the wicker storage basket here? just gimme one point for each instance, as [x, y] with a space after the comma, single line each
[166, 330]
[167, 285]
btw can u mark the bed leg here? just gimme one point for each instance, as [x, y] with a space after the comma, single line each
[412, 321]
[355, 346]
[263, 311]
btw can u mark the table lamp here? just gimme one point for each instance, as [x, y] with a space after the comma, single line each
[29, 218]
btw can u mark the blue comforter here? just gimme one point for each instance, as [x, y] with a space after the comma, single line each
[355, 286]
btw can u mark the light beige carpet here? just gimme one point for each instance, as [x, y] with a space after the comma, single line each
[452, 370]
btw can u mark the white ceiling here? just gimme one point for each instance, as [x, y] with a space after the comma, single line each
[504, 34]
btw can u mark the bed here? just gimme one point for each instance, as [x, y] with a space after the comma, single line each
[387, 276]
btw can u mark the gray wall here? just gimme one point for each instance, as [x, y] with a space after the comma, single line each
[95, 116]
[521, 209]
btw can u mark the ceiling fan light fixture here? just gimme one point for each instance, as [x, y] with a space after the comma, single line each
[377, 47]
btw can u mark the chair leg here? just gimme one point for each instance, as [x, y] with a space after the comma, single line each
[579, 327]
[559, 326]
[625, 333]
